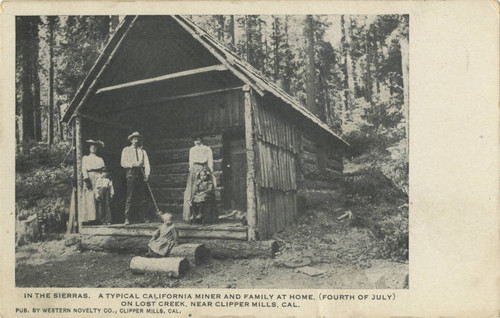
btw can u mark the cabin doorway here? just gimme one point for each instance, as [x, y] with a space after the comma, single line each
[235, 173]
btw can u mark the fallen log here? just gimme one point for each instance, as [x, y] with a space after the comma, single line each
[173, 266]
[194, 253]
[223, 249]
[120, 244]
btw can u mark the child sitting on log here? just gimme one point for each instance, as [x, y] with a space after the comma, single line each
[164, 238]
[203, 202]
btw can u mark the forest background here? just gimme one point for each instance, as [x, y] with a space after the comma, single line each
[350, 70]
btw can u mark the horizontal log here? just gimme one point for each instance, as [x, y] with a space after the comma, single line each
[309, 157]
[212, 234]
[195, 253]
[223, 249]
[119, 244]
[178, 155]
[229, 227]
[334, 155]
[172, 195]
[173, 266]
[175, 180]
[334, 165]
[186, 142]
[177, 208]
[309, 147]
[308, 184]
[308, 142]
[308, 168]
[179, 167]
[119, 230]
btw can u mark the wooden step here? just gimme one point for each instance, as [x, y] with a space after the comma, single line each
[185, 142]
[228, 231]
[163, 156]
[175, 180]
[179, 167]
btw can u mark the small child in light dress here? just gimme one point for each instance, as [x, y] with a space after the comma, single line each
[202, 206]
[164, 238]
[104, 193]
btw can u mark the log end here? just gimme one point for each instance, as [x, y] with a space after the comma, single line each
[173, 266]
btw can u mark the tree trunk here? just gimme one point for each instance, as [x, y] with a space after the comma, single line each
[27, 46]
[219, 19]
[231, 31]
[276, 48]
[349, 80]
[50, 118]
[368, 61]
[287, 60]
[310, 80]
[406, 89]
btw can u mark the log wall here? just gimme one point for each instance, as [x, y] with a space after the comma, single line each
[170, 141]
[167, 127]
[321, 166]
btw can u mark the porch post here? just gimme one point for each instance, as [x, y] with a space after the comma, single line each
[72, 221]
[250, 143]
[79, 176]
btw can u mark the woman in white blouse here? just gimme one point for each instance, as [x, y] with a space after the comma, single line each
[200, 157]
[91, 169]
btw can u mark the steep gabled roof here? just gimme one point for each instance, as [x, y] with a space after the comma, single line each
[243, 70]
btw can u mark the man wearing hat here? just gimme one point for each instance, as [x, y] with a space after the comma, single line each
[135, 161]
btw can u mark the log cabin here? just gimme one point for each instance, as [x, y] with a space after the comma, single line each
[167, 78]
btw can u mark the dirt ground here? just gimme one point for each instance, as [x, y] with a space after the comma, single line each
[342, 256]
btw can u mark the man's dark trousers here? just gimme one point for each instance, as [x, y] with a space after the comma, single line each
[135, 194]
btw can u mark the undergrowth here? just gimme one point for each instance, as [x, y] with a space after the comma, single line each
[43, 184]
[379, 206]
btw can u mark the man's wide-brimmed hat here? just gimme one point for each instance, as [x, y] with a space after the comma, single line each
[96, 142]
[135, 134]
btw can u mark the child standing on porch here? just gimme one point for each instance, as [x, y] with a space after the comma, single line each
[164, 238]
[104, 193]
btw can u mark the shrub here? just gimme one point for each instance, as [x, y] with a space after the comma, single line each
[43, 185]
[378, 205]
[36, 155]
[392, 233]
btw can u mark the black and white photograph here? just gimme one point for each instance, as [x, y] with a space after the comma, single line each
[249, 158]
[212, 151]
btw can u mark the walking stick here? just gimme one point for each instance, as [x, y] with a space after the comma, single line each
[158, 212]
